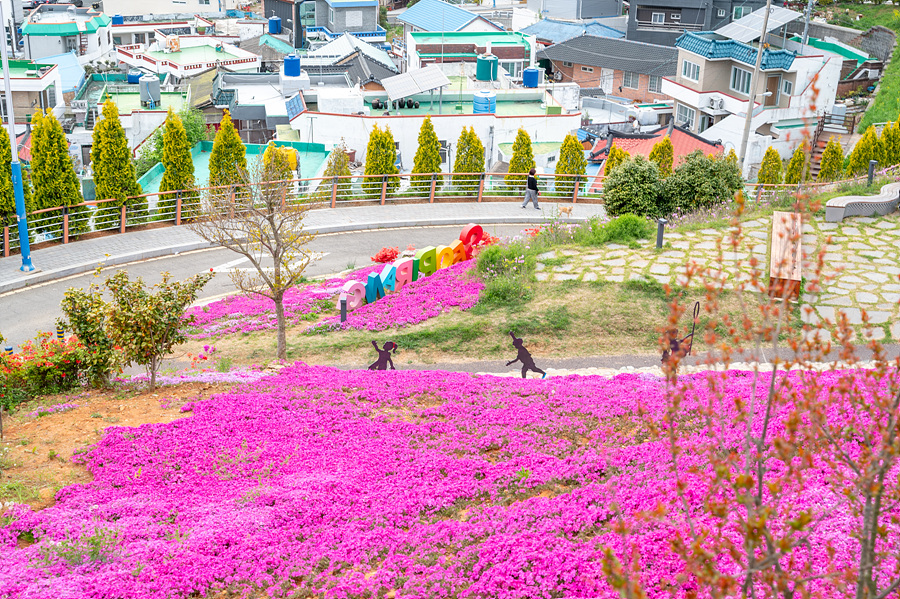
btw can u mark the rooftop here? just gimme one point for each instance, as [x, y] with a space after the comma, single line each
[556, 31]
[63, 19]
[194, 54]
[435, 15]
[835, 47]
[452, 106]
[130, 101]
[683, 142]
[706, 45]
[620, 54]
[26, 69]
[479, 38]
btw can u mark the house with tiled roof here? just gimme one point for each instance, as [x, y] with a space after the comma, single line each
[683, 143]
[714, 82]
[53, 29]
[436, 15]
[619, 67]
[553, 31]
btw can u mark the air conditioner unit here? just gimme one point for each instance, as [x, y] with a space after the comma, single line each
[720, 103]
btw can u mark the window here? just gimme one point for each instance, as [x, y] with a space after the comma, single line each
[513, 68]
[658, 17]
[630, 80]
[720, 13]
[567, 64]
[655, 86]
[308, 14]
[587, 69]
[331, 15]
[204, 1]
[787, 88]
[138, 38]
[51, 96]
[686, 116]
[676, 16]
[117, 40]
[690, 70]
[739, 11]
[740, 80]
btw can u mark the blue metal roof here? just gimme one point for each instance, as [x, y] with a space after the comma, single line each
[351, 3]
[735, 50]
[434, 15]
[560, 31]
[70, 70]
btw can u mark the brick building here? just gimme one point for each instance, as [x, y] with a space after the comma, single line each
[620, 67]
[515, 50]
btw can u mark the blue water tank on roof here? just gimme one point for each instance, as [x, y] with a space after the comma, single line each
[134, 76]
[274, 25]
[530, 77]
[118, 20]
[291, 65]
[484, 102]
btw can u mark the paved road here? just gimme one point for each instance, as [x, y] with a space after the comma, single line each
[26, 311]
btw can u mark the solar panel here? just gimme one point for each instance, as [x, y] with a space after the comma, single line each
[749, 28]
[295, 106]
[414, 82]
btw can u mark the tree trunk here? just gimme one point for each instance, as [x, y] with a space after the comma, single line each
[281, 351]
[152, 374]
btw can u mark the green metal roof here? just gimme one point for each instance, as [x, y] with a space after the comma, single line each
[471, 37]
[18, 69]
[91, 25]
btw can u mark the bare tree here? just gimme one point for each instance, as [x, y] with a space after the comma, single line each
[259, 221]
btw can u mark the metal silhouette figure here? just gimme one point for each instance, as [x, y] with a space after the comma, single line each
[384, 356]
[524, 357]
[675, 343]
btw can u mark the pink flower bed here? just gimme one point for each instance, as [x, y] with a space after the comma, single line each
[338, 484]
[454, 287]
[249, 313]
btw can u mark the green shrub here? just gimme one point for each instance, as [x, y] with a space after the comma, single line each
[797, 167]
[497, 260]
[701, 181]
[627, 228]
[770, 171]
[633, 188]
[43, 367]
[505, 290]
[522, 159]
[832, 162]
[663, 154]
[571, 162]
[617, 157]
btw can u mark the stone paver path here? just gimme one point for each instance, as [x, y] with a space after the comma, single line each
[862, 262]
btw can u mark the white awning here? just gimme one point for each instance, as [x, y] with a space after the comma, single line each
[414, 82]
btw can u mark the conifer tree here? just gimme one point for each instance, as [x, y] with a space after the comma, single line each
[179, 165]
[338, 165]
[522, 159]
[381, 158]
[663, 154]
[7, 196]
[53, 174]
[427, 159]
[228, 158]
[867, 148]
[890, 144]
[770, 171]
[571, 162]
[797, 169]
[732, 157]
[617, 157]
[832, 162]
[469, 158]
[114, 176]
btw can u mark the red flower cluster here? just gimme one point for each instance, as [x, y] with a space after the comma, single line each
[386, 255]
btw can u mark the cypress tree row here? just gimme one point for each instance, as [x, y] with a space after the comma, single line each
[616, 158]
[832, 161]
[866, 149]
[522, 159]
[890, 144]
[571, 162]
[338, 165]
[381, 156]
[770, 171]
[469, 158]
[663, 154]
[427, 159]
[228, 159]
[797, 167]
[114, 176]
[179, 175]
[53, 175]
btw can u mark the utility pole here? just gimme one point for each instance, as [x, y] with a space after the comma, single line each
[754, 82]
[808, 15]
[24, 244]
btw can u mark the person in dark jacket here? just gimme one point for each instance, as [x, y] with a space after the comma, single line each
[524, 356]
[531, 190]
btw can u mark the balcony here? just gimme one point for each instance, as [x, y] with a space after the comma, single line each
[650, 25]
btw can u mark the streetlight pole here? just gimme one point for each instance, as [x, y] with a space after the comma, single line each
[754, 83]
[24, 245]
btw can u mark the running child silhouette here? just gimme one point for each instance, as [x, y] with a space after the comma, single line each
[524, 357]
[384, 356]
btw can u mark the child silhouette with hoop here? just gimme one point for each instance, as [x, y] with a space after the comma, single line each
[384, 356]
[524, 357]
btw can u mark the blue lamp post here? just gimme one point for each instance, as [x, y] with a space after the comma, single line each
[24, 244]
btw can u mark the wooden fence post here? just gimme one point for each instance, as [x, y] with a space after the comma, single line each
[283, 196]
[122, 220]
[575, 191]
[6, 242]
[178, 209]
[334, 185]
[384, 181]
[481, 186]
[433, 184]
[65, 234]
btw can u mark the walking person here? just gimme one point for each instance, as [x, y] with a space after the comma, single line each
[531, 190]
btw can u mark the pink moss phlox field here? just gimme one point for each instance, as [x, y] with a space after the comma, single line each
[358, 483]
[453, 287]
[248, 313]
[55, 409]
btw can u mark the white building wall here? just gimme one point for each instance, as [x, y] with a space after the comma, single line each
[167, 7]
[99, 46]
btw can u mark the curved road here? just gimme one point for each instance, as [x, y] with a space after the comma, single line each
[25, 312]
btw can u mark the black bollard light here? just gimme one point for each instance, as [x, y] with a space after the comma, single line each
[660, 229]
[343, 307]
[872, 164]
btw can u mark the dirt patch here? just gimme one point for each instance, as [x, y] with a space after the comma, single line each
[35, 453]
